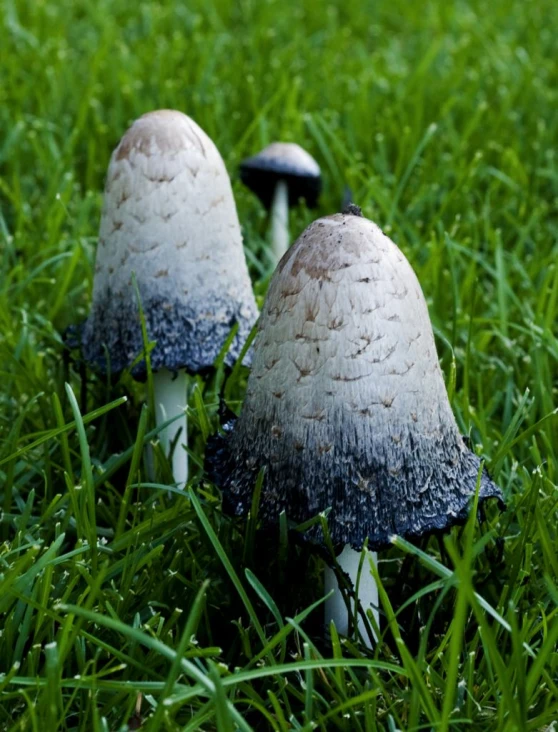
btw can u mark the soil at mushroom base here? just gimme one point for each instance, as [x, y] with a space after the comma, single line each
[346, 406]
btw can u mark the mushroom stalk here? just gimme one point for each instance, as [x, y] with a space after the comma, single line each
[280, 220]
[171, 400]
[335, 607]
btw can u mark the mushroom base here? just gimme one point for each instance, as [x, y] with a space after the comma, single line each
[334, 607]
[188, 336]
[429, 491]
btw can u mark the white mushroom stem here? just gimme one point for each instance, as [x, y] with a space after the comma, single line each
[171, 400]
[335, 607]
[280, 220]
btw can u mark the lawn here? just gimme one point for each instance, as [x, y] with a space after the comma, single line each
[122, 602]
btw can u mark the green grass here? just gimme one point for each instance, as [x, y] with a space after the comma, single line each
[117, 595]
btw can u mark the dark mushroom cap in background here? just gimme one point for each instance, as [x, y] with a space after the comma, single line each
[346, 405]
[285, 161]
[169, 217]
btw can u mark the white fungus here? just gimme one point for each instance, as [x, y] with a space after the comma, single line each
[346, 405]
[169, 220]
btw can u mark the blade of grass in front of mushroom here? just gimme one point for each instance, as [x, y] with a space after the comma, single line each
[188, 634]
[350, 600]
[252, 522]
[413, 669]
[463, 570]
[206, 684]
[52, 433]
[134, 470]
[229, 568]
[444, 572]
[361, 585]
[232, 380]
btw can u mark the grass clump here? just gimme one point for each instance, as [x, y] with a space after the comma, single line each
[125, 602]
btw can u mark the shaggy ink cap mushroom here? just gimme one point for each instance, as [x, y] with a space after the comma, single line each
[169, 217]
[283, 161]
[346, 405]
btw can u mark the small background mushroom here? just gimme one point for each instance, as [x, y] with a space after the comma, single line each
[169, 219]
[280, 175]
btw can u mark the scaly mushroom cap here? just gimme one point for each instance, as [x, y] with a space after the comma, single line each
[346, 404]
[283, 161]
[169, 217]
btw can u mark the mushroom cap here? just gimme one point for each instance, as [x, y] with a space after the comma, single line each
[285, 161]
[346, 405]
[169, 218]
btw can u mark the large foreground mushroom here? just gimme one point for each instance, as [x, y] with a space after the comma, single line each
[169, 220]
[280, 175]
[346, 405]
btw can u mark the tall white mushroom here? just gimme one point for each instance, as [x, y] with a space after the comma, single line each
[170, 220]
[346, 405]
[280, 175]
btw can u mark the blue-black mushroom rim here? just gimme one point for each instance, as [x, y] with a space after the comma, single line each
[167, 199]
[261, 174]
[431, 490]
[111, 339]
[394, 510]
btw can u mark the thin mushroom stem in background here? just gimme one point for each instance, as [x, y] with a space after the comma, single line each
[280, 220]
[335, 607]
[171, 400]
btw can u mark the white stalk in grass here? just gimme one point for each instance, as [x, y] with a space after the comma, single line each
[171, 400]
[280, 220]
[335, 607]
